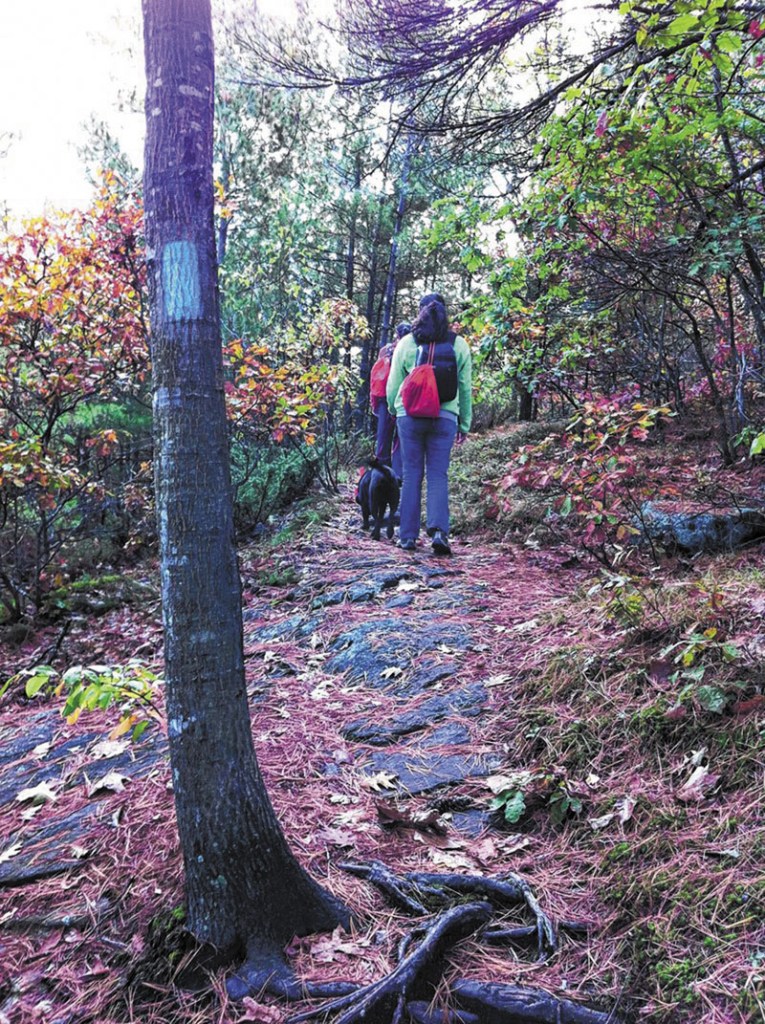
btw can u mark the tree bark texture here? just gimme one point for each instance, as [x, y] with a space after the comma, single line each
[243, 885]
[390, 283]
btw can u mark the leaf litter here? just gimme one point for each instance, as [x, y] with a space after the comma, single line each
[686, 871]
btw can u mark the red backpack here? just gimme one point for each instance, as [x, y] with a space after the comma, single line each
[378, 379]
[419, 392]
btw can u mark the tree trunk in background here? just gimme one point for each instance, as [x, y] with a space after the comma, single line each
[390, 285]
[244, 888]
[369, 343]
[350, 269]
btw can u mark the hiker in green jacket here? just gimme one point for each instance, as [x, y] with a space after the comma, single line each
[426, 442]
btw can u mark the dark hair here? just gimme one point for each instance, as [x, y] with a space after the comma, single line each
[402, 329]
[432, 297]
[432, 324]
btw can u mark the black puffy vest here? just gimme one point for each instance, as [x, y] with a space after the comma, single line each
[444, 365]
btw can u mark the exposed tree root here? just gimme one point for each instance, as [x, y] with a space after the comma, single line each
[266, 970]
[401, 995]
[410, 892]
[385, 1000]
[512, 1004]
[34, 872]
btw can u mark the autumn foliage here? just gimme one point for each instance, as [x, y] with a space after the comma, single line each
[72, 335]
[75, 455]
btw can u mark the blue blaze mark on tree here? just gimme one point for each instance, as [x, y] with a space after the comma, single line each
[180, 281]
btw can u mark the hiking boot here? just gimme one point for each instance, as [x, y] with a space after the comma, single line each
[440, 544]
[407, 545]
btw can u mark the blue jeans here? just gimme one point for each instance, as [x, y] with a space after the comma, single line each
[387, 447]
[426, 446]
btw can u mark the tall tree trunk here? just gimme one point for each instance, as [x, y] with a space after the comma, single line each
[369, 343]
[350, 270]
[244, 889]
[390, 284]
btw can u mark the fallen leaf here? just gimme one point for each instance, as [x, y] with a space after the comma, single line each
[602, 822]
[733, 854]
[699, 785]
[515, 842]
[9, 852]
[79, 852]
[112, 781]
[391, 814]
[451, 860]
[327, 948]
[484, 850]
[624, 808]
[381, 780]
[109, 748]
[37, 795]
[439, 842]
[335, 836]
[392, 672]
[501, 783]
[259, 1013]
[499, 680]
[41, 749]
[521, 627]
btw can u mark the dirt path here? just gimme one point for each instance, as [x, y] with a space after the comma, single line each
[384, 684]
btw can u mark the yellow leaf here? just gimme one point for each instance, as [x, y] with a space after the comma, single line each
[123, 726]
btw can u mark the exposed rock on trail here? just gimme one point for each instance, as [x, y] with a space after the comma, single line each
[380, 675]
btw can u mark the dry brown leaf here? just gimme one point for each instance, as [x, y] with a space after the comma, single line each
[699, 785]
[624, 808]
[112, 782]
[335, 836]
[109, 748]
[378, 781]
[515, 842]
[485, 850]
[451, 860]
[602, 822]
[9, 852]
[37, 795]
[498, 680]
[328, 948]
[420, 819]
[259, 1013]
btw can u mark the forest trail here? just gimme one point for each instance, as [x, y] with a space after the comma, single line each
[391, 694]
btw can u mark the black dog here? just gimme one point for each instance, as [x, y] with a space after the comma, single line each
[378, 488]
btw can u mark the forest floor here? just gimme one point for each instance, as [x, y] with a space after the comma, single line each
[511, 708]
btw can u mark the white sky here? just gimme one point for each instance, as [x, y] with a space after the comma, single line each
[62, 61]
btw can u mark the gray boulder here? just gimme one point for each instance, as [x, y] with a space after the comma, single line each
[689, 533]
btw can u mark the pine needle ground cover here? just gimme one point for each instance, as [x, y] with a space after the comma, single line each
[597, 729]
